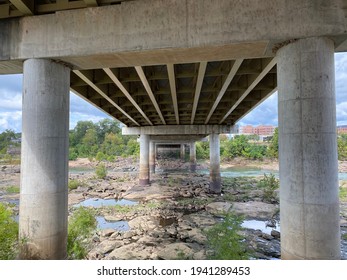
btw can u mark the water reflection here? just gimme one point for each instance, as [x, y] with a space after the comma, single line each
[99, 202]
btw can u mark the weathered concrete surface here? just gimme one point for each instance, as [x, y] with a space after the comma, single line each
[308, 150]
[160, 32]
[192, 156]
[215, 179]
[152, 157]
[44, 169]
[144, 160]
[182, 152]
[168, 130]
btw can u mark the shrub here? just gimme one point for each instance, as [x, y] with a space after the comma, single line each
[8, 234]
[100, 156]
[101, 171]
[269, 184]
[225, 242]
[73, 155]
[202, 150]
[74, 184]
[81, 226]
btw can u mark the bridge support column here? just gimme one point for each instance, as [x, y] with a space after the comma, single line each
[182, 152]
[44, 168]
[144, 160]
[152, 157]
[215, 179]
[192, 157]
[308, 151]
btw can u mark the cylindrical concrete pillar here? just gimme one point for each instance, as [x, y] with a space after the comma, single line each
[192, 157]
[182, 152]
[215, 179]
[44, 168]
[144, 160]
[309, 200]
[152, 157]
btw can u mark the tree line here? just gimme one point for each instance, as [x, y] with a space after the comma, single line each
[246, 146]
[104, 141]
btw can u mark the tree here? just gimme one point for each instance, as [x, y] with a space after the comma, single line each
[6, 139]
[273, 148]
[77, 134]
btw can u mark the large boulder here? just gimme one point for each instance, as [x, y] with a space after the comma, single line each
[255, 209]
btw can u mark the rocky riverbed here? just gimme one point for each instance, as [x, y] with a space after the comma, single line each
[169, 218]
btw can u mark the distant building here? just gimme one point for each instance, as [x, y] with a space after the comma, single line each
[261, 130]
[342, 129]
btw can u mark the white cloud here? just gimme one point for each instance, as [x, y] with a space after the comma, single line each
[75, 117]
[11, 120]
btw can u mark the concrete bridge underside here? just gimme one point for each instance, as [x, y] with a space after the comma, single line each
[172, 71]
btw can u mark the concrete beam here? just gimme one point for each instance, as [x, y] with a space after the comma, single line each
[172, 80]
[177, 138]
[26, 7]
[145, 83]
[225, 86]
[178, 130]
[114, 78]
[200, 79]
[103, 94]
[266, 70]
[178, 31]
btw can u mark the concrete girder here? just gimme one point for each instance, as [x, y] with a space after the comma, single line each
[103, 94]
[126, 93]
[226, 84]
[200, 79]
[266, 70]
[26, 7]
[145, 83]
[177, 138]
[171, 73]
[178, 130]
[184, 36]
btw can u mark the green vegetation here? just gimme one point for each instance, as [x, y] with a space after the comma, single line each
[74, 184]
[8, 234]
[202, 150]
[225, 242]
[12, 189]
[82, 224]
[101, 171]
[9, 147]
[342, 146]
[343, 194]
[273, 148]
[269, 184]
[246, 146]
[344, 236]
[102, 140]
[240, 146]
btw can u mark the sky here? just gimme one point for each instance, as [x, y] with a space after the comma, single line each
[80, 110]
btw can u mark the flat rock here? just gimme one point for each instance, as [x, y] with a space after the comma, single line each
[176, 251]
[132, 251]
[144, 223]
[255, 209]
[218, 208]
